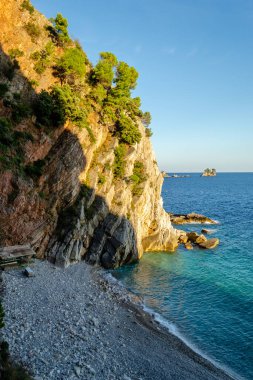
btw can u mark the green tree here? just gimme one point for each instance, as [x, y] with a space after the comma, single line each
[59, 30]
[71, 65]
[103, 72]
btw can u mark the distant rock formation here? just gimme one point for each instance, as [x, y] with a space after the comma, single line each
[209, 173]
[191, 218]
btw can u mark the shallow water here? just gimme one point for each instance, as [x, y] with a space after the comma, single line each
[208, 295]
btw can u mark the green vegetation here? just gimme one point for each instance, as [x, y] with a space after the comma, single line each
[148, 132]
[119, 163]
[9, 69]
[138, 177]
[43, 58]
[35, 169]
[26, 5]
[33, 30]
[58, 31]
[70, 66]
[127, 130]
[112, 83]
[101, 179]
[3, 89]
[15, 53]
[146, 118]
[19, 109]
[48, 110]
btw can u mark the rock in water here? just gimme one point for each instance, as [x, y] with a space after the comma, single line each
[200, 239]
[210, 243]
[188, 245]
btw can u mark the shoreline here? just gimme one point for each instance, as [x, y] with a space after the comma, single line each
[76, 323]
[154, 320]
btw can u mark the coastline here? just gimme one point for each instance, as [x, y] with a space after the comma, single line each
[74, 323]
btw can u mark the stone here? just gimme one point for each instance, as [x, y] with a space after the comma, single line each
[183, 239]
[210, 243]
[207, 231]
[192, 236]
[200, 239]
[28, 272]
[188, 245]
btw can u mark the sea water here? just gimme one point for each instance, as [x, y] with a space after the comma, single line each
[206, 294]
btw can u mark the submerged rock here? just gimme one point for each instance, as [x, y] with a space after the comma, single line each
[207, 231]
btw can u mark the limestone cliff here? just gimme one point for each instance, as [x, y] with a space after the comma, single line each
[74, 207]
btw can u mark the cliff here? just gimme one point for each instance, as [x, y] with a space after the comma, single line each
[60, 186]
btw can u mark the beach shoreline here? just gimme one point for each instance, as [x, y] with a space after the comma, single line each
[76, 323]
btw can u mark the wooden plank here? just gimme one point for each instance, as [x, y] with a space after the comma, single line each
[16, 252]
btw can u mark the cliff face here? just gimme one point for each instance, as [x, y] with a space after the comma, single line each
[75, 207]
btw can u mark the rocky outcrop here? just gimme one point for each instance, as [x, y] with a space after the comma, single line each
[191, 218]
[75, 208]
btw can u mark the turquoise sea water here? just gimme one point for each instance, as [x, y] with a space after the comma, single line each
[207, 295]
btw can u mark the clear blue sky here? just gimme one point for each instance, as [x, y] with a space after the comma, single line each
[195, 64]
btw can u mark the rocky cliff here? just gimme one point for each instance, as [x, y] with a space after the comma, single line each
[58, 188]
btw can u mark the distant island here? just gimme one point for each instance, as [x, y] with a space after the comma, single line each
[209, 173]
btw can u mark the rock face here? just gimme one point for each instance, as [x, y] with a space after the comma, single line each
[76, 208]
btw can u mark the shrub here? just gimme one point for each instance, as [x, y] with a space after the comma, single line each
[20, 111]
[6, 136]
[48, 110]
[138, 177]
[101, 179]
[3, 89]
[26, 5]
[9, 69]
[42, 58]
[71, 65]
[33, 30]
[15, 53]
[148, 132]
[127, 130]
[35, 169]
[119, 163]
[146, 119]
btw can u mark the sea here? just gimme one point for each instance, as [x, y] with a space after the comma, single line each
[205, 296]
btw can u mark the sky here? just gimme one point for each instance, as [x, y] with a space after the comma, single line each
[195, 64]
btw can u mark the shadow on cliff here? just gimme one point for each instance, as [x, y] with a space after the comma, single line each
[45, 204]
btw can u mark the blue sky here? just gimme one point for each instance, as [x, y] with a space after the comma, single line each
[195, 64]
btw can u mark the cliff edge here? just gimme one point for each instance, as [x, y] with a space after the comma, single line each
[79, 177]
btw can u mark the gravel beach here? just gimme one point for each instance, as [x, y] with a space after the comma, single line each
[73, 323]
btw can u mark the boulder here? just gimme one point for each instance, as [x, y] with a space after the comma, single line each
[192, 236]
[210, 243]
[200, 239]
[188, 245]
[183, 239]
[207, 231]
